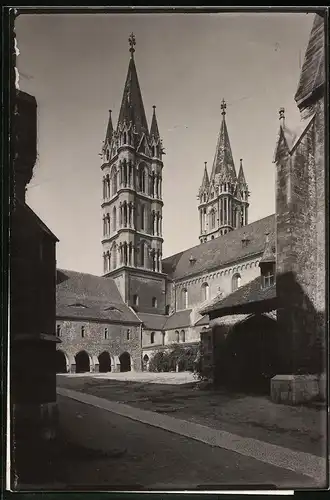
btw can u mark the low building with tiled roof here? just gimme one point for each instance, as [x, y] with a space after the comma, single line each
[98, 331]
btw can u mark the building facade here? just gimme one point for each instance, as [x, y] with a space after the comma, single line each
[167, 295]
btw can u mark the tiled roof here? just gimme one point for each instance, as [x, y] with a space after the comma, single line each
[203, 321]
[179, 319]
[81, 295]
[312, 74]
[153, 321]
[250, 293]
[221, 251]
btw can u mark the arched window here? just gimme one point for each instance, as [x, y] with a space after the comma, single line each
[135, 300]
[113, 181]
[142, 179]
[114, 256]
[114, 219]
[182, 336]
[236, 282]
[142, 256]
[128, 334]
[184, 299]
[212, 237]
[205, 291]
[58, 330]
[82, 332]
[152, 337]
[142, 216]
[177, 336]
[212, 219]
[105, 333]
[154, 302]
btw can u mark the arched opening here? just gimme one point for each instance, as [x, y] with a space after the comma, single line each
[125, 362]
[145, 362]
[184, 299]
[142, 254]
[104, 362]
[205, 291]
[114, 219]
[152, 337]
[251, 355]
[61, 366]
[236, 281]
[114, 256]
[212, 219]
[182, 336]
[177, 336]
[142, 179]
[82, 362]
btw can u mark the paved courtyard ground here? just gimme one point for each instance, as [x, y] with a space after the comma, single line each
[300, 428]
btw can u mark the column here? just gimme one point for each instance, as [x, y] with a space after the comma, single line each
[160, 225]
[160, 188]
[133, 216]
[246, 214]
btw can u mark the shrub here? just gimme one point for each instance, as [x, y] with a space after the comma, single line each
[177, 355]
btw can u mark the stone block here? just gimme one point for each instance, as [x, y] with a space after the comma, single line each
[297, 389]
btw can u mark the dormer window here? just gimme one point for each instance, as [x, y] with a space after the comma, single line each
[192, 260]
[268, 278]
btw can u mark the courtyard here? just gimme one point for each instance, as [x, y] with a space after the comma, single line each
[301, 428]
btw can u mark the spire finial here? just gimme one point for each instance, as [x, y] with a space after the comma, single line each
[132, 42]
[282, 117]
[205, 164]
[223, 107]
[241, 162]
[154, 107]
[110, 111]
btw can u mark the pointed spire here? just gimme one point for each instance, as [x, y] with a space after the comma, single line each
[241, 177]
[206, 180]
[268, 255]
[154, 125]
[108, 135]
[132, 109]
[223, 165]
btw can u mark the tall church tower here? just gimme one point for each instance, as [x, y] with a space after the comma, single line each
[132, 200]
[224, 197]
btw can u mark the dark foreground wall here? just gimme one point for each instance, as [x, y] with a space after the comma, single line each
[32, 309]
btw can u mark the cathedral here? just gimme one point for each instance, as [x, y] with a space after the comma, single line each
[145, 303]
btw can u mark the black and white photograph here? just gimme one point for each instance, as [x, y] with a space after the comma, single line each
[168, 254]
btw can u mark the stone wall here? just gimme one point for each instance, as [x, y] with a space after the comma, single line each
[301, 248]
[94, 341]
[219, 281]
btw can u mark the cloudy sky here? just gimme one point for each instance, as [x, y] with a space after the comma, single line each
[76, 66]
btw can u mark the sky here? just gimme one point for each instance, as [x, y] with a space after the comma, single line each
[76, 64]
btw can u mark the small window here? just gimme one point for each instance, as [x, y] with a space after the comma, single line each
[205, 291]
[135, 300]
[58, 330]
[236, 282]
[177, 336]
[269, 279]
[212, 237]
[128, 334]
[82, 332]
[105, 333]
[152, 337]
[154, 302]
[182, 336]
